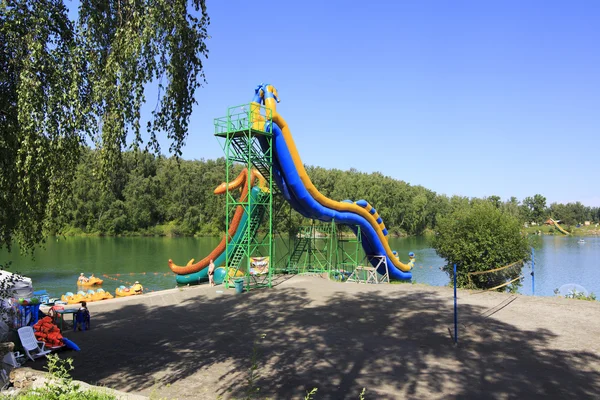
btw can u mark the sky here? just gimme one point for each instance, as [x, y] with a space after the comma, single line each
[470, 98]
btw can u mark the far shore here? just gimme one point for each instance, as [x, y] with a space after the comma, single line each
[532, 230]
[590, 230]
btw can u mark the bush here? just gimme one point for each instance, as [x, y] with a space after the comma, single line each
[480, 237]
[574, 294]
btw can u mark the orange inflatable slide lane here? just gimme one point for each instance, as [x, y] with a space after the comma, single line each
[240, 181]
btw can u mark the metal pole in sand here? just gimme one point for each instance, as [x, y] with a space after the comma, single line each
[532, 272]
[455, 310]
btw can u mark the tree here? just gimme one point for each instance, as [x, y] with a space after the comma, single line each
[511, 207]
[39, 144]
[535, 208]
[479, 238]
[64, 82]
[495, 200]
[563, 213]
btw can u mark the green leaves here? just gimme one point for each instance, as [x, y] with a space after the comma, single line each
[479, 237]
[40, 143]
[134, 44]
[535, 208]
[63, 83]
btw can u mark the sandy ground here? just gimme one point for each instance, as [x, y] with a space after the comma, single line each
[308, 332]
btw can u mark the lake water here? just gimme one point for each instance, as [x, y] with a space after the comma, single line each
[558, 260]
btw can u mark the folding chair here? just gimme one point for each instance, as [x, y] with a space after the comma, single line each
[33, 348]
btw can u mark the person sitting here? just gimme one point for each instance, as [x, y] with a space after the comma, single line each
[137, 288]
[82, 278]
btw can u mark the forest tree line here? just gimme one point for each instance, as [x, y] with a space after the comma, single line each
[155, 195]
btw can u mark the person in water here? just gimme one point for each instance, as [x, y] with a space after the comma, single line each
[137, 287]
[82, 278]
[211, 273]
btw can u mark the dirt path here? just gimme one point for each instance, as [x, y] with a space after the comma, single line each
[393, 340]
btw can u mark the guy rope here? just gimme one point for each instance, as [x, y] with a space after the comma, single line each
[498, 277]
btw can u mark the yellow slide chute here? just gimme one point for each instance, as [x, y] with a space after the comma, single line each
[558, 227]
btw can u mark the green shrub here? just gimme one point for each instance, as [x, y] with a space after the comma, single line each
[574, 294]
[479, 237]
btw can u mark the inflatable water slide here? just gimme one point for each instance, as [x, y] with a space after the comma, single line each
[295, 185]
[559, 227]
[194, 273]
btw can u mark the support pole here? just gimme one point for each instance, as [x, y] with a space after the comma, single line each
[455, 310]
[532, 272]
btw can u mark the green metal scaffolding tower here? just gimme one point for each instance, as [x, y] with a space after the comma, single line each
[349, 252]
[246, 143]
[325, 248]
[313, 249]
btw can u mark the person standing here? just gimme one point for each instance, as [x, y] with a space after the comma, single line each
[411, 257]
[211, 273]
[83, 316]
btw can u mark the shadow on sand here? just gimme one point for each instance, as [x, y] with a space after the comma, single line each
[396, 344]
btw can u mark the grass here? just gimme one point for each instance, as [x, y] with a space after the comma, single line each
[575, 295]
[60, 386]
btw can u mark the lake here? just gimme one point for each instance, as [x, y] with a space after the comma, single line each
[558, 260]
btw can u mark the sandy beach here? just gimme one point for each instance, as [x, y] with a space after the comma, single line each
[308, 332]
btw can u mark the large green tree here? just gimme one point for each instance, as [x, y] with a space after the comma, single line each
[64, 82]
[479, 238]
[535, 208]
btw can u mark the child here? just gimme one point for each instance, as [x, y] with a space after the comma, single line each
[83, 316]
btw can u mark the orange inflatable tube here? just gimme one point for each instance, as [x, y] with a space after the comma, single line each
[240, 181]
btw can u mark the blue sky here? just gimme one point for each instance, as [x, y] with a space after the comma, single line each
[474, 98]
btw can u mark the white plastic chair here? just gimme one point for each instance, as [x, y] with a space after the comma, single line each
[31, 345]
[15, 359]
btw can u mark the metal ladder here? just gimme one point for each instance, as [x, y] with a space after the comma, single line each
[299, 249]
[241, 145]
[239, 250]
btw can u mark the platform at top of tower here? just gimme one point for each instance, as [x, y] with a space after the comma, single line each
[243, 133]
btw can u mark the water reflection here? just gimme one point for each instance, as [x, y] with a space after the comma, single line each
[559, 260]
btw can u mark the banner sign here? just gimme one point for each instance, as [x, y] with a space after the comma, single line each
[259, 265]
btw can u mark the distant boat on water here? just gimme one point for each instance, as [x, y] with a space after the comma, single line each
[581, 241]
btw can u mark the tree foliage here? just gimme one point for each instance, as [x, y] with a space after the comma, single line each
[534, 208]
[480, 237]
[40, 141]
[572, 213]
[65, 82]
[155, 195]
